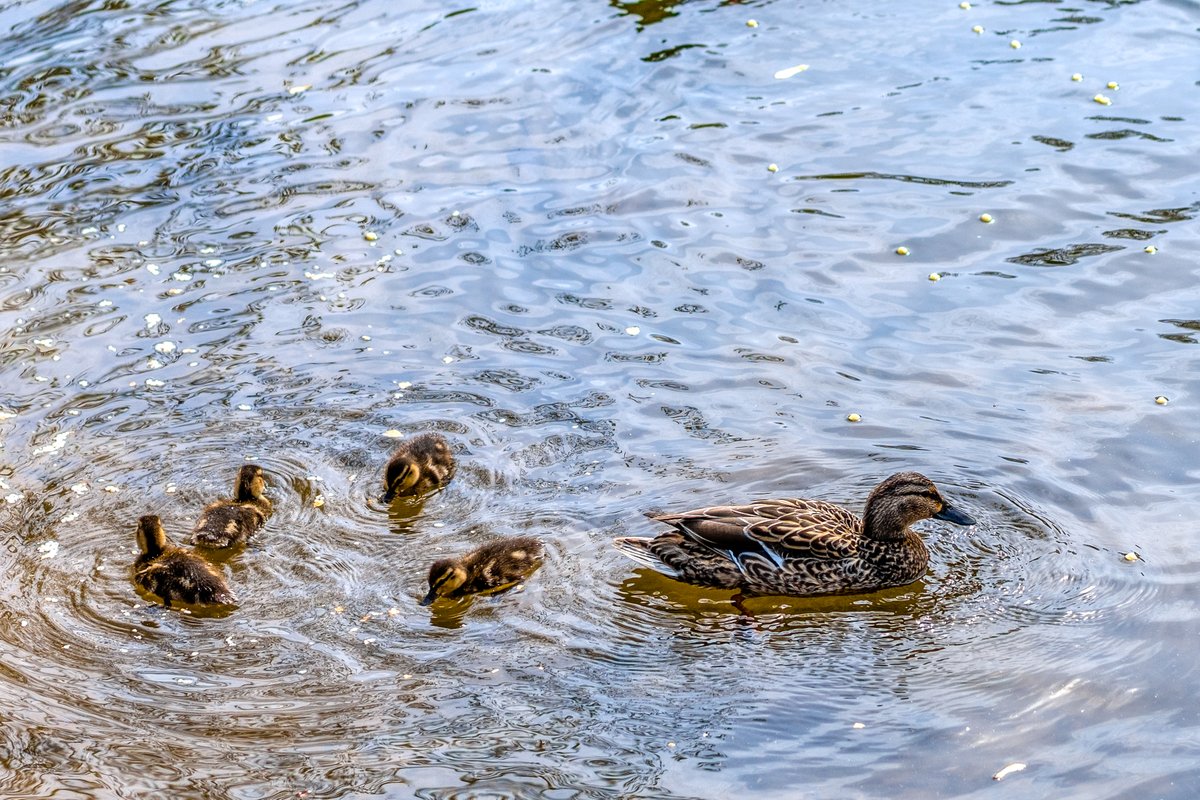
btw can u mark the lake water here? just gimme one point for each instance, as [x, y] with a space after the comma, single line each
[262, 231]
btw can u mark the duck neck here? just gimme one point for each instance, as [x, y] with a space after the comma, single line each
[879, 524]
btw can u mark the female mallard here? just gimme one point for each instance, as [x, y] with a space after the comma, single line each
[495, 566]
[800, 547]
[229, 522]
[420, 464]
[173, 573]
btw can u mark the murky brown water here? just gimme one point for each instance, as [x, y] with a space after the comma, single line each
[587, 278]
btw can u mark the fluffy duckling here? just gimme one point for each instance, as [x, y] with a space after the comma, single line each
[420, 464]
[173, 573]
[229, 522]
[491, 568]
[800, 547]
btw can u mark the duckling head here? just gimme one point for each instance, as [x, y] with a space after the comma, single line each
[400, 475]
[151, 537]
[251, 483]
[445, 576]
[903, 499]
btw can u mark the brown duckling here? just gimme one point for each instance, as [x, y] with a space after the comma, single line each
[229, 522]
[493, 567]
[420, 464]
[800, 547]
[174, 573]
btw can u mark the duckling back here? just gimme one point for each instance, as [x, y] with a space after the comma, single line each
[175, 574]
[419, 464]
[229, 522]
[494, 566]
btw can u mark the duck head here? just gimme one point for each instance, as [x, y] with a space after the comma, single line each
[400, 475]
[445, 576]
[903, 499]
[251, 483]
[151, 537]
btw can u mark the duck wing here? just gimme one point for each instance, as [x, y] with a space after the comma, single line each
[777, 531]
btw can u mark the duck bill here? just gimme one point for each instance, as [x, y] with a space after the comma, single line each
[429, 598]
[386, 498]
[950, 514]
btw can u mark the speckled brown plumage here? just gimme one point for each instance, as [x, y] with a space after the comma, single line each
[494, 566]
[419, 464]
[229, 522]
[800, 547]
[173, 573]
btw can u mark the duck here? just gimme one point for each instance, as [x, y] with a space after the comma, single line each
[419, 465]
[493, 567]
[174, 573]
[226, 523]
[800, 547]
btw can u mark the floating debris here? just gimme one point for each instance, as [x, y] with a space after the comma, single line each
[152, 320]
[853, 418]
[1162, 401]
[858, 726]
[977, 29]
[155, 383]
[244, 406]
[48, 549]
[790, 72]
[112, 489]
[1014, 44]
[933, 276]
[304, 87]
[371, 236]
[447, 359]
[1113, 85]
[393, 434]
[1132, 556]
[772, 168]
[751, 23]
[80, 488]
[166, 348]
[181, 276]
[986, 218]
[1151, 249]
[1078, 76]
[633, 330]
[12, 499]
[319, 501]
[1016, 766]
[1102, 100]
[901, 250]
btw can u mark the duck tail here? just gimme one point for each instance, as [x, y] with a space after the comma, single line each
[639, 550]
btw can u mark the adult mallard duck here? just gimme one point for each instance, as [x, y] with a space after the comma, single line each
[800, 547]
[420, 464]
[229, 522]
[173, 573]
[494, 566]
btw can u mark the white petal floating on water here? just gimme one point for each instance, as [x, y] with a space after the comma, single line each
[1016, 766]
[790, 72]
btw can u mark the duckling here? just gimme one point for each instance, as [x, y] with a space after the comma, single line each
[173, 573]
[800, 547]
[420, 464]
[493, 567]
[229, 522]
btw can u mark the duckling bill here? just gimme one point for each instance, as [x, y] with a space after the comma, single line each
[800, 547]
[226, 523]
[491, 568]
[419, 465]
[173, 573]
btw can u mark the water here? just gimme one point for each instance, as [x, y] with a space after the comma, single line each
[580, 269]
